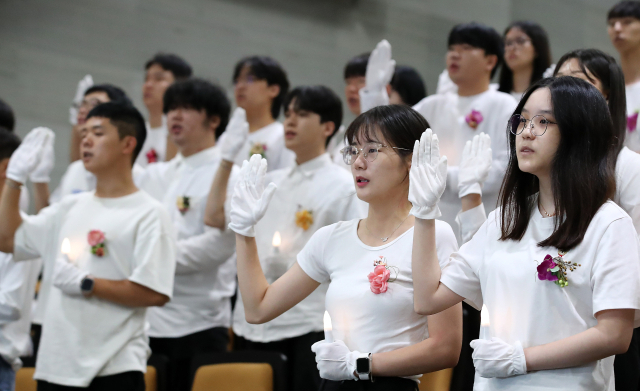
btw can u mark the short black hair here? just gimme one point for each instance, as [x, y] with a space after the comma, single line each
[7, 118]
[199, 94]
[320, 100]
[480, 36]
[625, 9]
[115, 94]
[357, 66]
[407, 82]
[180, 69]
[9, 142]
[126, 118]
[266, 68]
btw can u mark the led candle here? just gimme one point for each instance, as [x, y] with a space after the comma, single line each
[485, 322]
[66, 247]
[328, 330]
[276, 242]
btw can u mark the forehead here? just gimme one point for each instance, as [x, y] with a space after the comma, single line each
[539, 100]
[101, 122]
[515, 32]
[156, 69]
[99, 95]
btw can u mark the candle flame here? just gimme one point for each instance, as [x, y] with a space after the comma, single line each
[327, 322]
[484, 316]
[276, 239]
[66, 246]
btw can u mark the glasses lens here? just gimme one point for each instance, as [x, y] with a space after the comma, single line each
[539, 125]
[371, 152]
[517, 124]
[349, 154]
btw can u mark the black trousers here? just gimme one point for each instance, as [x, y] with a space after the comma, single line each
[302, 372]
[36, 333]
[379, 384]
[180, 352]
[626, 367]
[126, 381]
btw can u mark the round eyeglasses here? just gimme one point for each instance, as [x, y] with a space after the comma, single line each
[538, 124]
[369, 151]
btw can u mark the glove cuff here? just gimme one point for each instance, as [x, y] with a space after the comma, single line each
[520, 361]
[426, 212]
[351, 363]
[242, 230]
[20, 178]
[466, 189]
[39, 179]
[370, 98]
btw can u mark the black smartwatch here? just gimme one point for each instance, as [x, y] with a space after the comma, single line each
[86, 286]
[363, 368]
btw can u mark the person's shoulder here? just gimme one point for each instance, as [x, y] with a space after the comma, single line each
[502, 98]
[608, 213]
[431, 101]
[628, 159]
[335, 230]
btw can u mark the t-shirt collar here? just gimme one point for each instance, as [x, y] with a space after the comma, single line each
[309, 168]
[202, 157]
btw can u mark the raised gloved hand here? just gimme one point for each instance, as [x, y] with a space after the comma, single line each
[427, 177]
[26, 158]
[250, 198]
[235, 136]
[83, 85]
[475, 165]
[335, 361]
[67, 277]
[380, 68]
[42, 172]
[496, 358]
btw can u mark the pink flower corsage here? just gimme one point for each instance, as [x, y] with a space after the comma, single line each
[152, 156]
[632, 122]
[474, 118]
[379, 279]
[96, 241]
[555, 269]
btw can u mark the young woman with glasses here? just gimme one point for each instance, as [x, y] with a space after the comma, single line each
[557, 265]
[526, 57]
[379, 339]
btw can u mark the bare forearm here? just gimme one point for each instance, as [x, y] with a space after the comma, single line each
[214, 211]
[10, 212]
[127, 293]
[470, 201]
[251, 280]
[41, 195]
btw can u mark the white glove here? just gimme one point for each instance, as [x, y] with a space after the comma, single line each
[235, 136]
[335, 361]
[250, 199]
[380, 70]
[25, 159]
[427, 177]
[42, 172]
[496, 358]
[475, 165]
[67, 277]
[83, 85]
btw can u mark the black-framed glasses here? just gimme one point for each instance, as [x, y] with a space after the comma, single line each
[369, 151]
[519, 42]
[538, 124]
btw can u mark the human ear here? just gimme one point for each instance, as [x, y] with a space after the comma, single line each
[273, 91]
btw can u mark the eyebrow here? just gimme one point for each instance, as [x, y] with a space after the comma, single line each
[541, 111]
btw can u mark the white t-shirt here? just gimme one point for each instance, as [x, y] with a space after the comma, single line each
[85, 338]
[503, 275]
[632, 140]
[336, 144]
[154, 148]
[365, 321]
[205, 274]
[446, 114]
[268, 141]
[328, 193]
[628, 184]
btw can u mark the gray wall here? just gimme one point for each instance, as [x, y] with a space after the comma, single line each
[46, 46]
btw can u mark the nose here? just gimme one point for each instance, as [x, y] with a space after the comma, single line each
[527, 132]
[617, 26]
[360, 163]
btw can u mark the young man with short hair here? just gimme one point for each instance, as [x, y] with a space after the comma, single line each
[310, 195]
[109, 253]
[260, 85]
[199, 316]
[623, 27]
[160, 72]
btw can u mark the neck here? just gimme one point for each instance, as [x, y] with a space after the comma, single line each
[115, 183]
[630, 64]
[305, 156]
[522, 79]
[473, 87]
[155, 117]
[197, 147]
[545, 197]
[260, 118]
[386, 215]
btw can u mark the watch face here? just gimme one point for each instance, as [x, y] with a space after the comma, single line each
[362, 365]
[87, 285]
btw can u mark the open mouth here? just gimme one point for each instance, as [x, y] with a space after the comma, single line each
[362, 181]
[289, 134]
[175, 129]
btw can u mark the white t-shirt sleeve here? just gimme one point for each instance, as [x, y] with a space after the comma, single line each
[155, 253]
[37, 232]
[446, 242]
[205, 251]
[311, 258]
[470, 221]
[615, 274]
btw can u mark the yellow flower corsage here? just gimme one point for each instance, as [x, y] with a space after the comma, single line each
[304, 219]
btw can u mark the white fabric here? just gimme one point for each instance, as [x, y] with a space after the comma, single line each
[365, 321]
[632, 140]
[84, 338]
[335, 361]
[475, 165]
[446, 116]
[157, 141]
[516, 95]
[67, 276]
[503, 275]
[446, 85]
[336, 144]
[628, 184]
[27, 156]
[83, 85]
[236, 135]
[328, 192]
[76, 179]
[271, 136]
[204, 280]
[427, 177]
[496, 358]
[470, 221]
[42, 172]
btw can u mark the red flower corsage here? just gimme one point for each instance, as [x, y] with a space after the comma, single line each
[632, 122]
[555, 269]
[96, 241]
[474, 118]
[379, 279]
[152, 156]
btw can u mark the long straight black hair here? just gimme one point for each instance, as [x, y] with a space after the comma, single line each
[582, 171]
[604, 68]
[542, 60]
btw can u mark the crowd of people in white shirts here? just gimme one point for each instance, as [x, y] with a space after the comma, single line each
[519, 198]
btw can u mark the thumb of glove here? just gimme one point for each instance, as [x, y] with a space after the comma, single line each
[266, 199]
